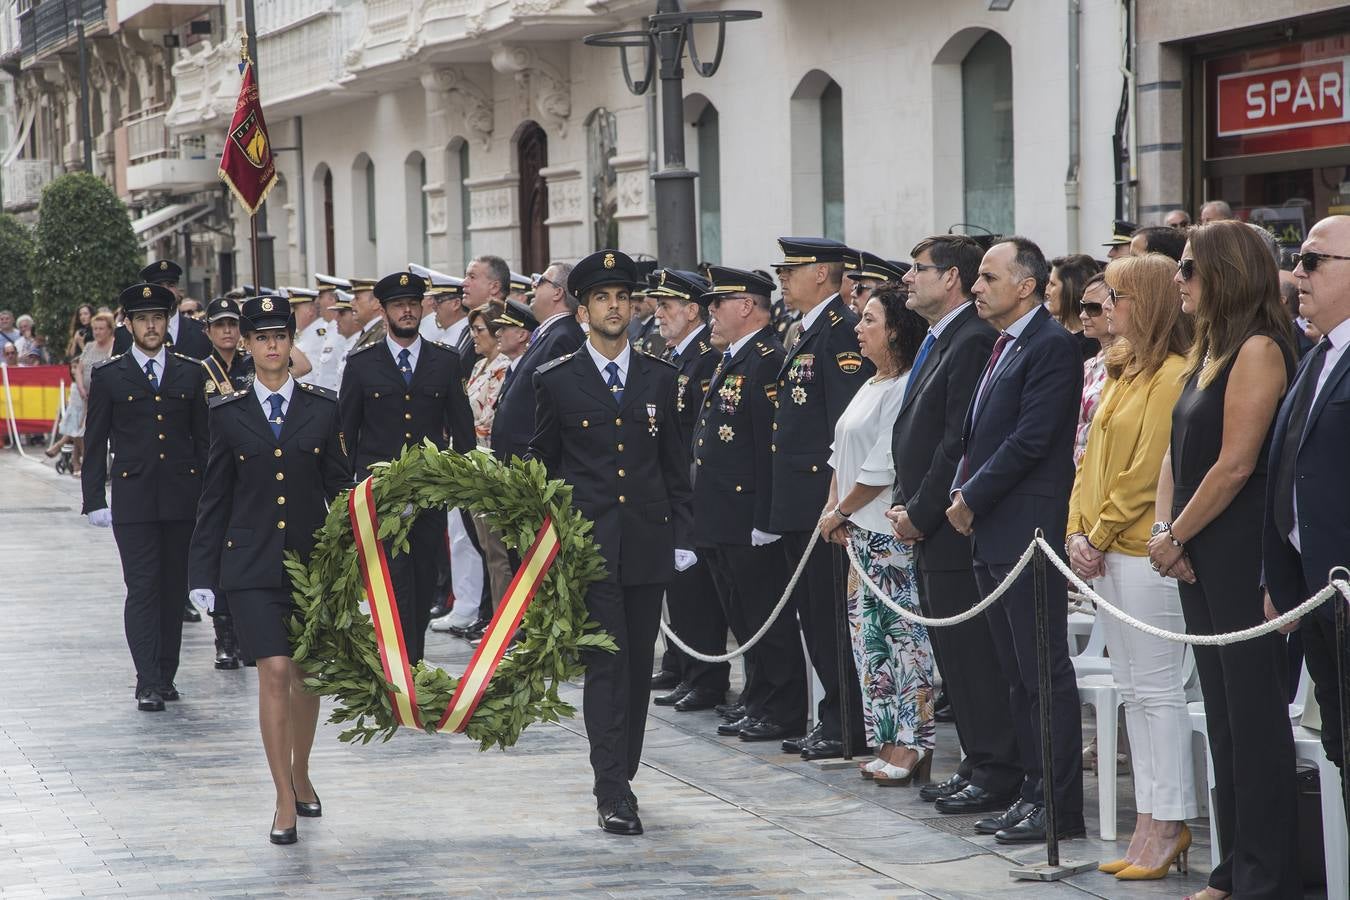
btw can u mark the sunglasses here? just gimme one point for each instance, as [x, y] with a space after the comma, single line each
[1111, 292]
[1092, 310]
[1187, 269]
[1310, 260]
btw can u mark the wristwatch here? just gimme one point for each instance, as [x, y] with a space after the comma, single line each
[1160, 527]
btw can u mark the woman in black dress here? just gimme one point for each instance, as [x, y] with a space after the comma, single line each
[1211, 494]
[276, 462]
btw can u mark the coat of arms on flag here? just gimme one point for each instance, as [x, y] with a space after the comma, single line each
[246, 163]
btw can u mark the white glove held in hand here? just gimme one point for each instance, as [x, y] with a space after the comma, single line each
[203, 598]
[101, 518]
[761, 538]
[407, 511]
[684, 559]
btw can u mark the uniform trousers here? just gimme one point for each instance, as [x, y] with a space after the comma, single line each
[696, 616]
[414, 577]
[1319, 654]
[1012, 622]
[819, 606]
[750, 580]
[973, 679]
[1148, 671]
[154, 567]
[618, 685]
[499, 571]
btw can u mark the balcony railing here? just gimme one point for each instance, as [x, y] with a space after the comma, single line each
[22, 182]
[50, 24]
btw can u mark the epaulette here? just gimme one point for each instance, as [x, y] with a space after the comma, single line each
[554, 363]
[317, 390]
[103, 362]
[654, 358]
[365, 348]
[704, 348]
[185, 358]
[442, 345]
[835, 318]
[763, 348]
[221, 399]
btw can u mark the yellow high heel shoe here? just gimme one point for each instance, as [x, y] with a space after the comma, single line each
[1111, 868]
[1180, 857]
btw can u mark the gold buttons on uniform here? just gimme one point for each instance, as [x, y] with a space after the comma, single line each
[698, 462]
[407, 416]
[775, 426]
[407, 396]
[281, 476]
[276, 452]
[377, 395]
[281, 501]
[773, 448]
[815, 468]
[159, 417]
[618, 421]
[408, 435]
[241, 456]
[316, 451]
[229, 543]
[161, 437]
[585, 423]
[738, 488]
[700, 442]
[621, 473]
[619, 448]
[621, 499]
[161, 456]
[157, 398]
[281, 524]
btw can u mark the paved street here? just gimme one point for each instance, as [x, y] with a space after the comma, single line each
[97, 799]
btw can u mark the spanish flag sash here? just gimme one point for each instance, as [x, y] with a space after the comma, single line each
[389, 631]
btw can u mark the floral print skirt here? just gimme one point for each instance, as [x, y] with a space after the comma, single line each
[894, 658]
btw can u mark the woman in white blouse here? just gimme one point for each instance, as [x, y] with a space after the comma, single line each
[893, 656]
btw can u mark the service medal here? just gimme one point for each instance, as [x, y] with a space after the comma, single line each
[799, 395]
[651, 419]
[725, 433]
[681, 382]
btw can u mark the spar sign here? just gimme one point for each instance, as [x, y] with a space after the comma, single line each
[1292, 97]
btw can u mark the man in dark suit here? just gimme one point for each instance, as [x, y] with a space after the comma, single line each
[185, 335]
[691, 600]
[607, 426]
[1307, 531]
[1016, 476]
[558, 333]
[147, 403]
[822, 371]
[926, 446]
[396, 393]
[733, 502]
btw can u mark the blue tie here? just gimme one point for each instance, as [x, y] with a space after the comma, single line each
[926, 346]
[615, 385]
[405, 365]
[150, 371]
[726, 358]
[275, 418]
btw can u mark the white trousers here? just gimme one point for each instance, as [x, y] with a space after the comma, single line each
[466, 572]
[1149, 673]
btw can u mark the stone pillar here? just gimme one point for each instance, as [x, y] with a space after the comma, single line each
[1161, 133]
[633, 185]
[494, 215]
[568, 229]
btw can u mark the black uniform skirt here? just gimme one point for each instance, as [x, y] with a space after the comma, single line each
[260, 621]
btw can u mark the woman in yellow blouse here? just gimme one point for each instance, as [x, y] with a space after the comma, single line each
[1110, 516]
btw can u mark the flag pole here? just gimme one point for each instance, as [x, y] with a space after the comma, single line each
[245, 46]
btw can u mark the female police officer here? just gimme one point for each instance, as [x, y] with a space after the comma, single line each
[277, 459]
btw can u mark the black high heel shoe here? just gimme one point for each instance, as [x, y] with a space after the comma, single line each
[308, 810]
[282, 835]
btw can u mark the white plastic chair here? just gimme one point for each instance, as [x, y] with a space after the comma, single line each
[1103, 695]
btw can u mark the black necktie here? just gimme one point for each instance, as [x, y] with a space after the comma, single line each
[1293, 436]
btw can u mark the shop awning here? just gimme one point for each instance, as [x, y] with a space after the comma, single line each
[153, 226]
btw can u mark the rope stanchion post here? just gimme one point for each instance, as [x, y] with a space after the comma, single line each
[843, 649]
[1054, 869]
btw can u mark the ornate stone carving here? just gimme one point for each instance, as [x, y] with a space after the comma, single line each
[631, 185]
[566, 195]
[492, 203]
[541, 86]
[475, 104]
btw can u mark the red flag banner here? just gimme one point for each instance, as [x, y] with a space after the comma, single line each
[246, 164]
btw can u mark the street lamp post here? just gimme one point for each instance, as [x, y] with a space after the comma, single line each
[667, 34]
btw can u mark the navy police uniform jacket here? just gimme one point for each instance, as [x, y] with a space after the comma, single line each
[513, 423]
[695, 368]
[159, 440]
[734, 444]
[265, 495]
[819, 377]
[627, 466]
[219, 380]
[381, 414]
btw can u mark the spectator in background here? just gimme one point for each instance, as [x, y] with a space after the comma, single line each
[190, 308]
[30, 348]
[1110, 516]
[81, 331]
[1093, 316]
[1064, 296]
[1211, 502]
[1215, 211]
[1158, 239]
[99, 348]
[1178, 218]
[8, 333]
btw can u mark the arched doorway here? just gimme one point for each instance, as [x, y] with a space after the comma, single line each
[531, 159]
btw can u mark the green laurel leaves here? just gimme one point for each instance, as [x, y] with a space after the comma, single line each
[334, 640]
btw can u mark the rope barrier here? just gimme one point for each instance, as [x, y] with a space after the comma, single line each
[763, 629]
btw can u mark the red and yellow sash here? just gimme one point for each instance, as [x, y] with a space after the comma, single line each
[389, 631]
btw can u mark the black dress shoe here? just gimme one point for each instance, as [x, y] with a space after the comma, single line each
[930, 792]
[619, 817]
[699, 699]
[190, 613]
[440, 609]
[731, 711]
[476, 631]
[1011, 816]
[282, 835]
[795, 745]
[632, 798]
[170, 692]
[227, 647]
[149, 700]
[664, 681]
[1031, 830]
[973, 799]
[675, 696]
[731, 729]
[764, 730]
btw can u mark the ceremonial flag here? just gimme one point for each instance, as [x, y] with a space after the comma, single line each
[246, 164]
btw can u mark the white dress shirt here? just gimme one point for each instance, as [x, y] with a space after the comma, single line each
[142, 359]
[624, 357]
[413, 349]
[687, 340]
[262, 392]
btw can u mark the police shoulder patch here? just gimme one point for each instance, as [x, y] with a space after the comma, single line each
[704, 348]
[849, 362]
[318, 390]
[835, 318]
[554, 363]
[763, 348]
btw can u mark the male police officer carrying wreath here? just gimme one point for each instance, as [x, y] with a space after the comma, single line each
[147, 403]
[606, 424]
[396, 393]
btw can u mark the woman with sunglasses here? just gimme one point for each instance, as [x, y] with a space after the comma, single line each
[1110, 514]
[1211, 499]
[1093, 323]
[1069, 278]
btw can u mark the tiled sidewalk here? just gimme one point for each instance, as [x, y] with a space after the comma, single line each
[97, 799]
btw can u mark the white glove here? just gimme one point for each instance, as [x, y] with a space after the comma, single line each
[203, 598]
[101, 518]
[762, 538]
[407, 512]
[684, 559]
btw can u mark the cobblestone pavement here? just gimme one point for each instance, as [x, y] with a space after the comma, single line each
[97, 799]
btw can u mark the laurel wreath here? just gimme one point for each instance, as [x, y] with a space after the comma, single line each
[333, 639]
